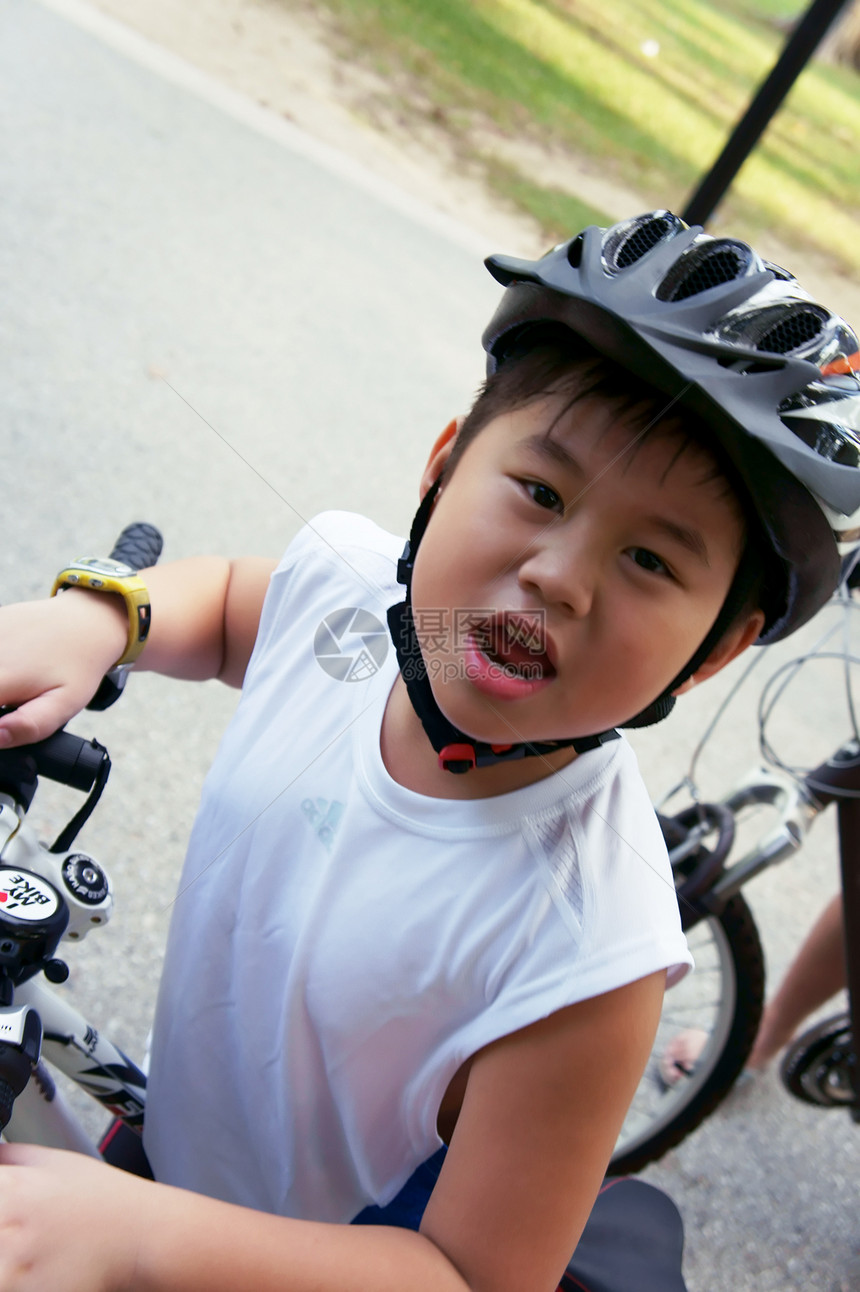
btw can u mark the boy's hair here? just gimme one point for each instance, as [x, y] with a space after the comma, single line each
[551, 360]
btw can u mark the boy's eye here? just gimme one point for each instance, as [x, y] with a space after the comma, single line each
[648, 560]
[543, 495]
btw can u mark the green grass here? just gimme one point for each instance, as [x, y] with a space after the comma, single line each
[574, 73]
[554, 209]
[781, 12]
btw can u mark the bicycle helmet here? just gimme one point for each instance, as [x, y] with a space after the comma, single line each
[735, 342]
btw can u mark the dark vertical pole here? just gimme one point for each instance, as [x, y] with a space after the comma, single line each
[797, 51]
[849, 854]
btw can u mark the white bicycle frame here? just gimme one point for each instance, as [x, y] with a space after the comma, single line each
[42, 1114]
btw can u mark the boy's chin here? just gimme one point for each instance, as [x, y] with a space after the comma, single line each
[501, 734]
[483, 724]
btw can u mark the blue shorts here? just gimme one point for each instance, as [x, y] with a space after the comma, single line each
[405, 1211]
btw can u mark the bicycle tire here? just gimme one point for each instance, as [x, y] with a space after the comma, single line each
[723, 996]
[818, 1066]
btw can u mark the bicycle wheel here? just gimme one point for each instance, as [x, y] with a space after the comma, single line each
[818, 1066]
[723, 997]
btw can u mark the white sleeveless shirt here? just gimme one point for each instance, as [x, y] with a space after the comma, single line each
[341, 945]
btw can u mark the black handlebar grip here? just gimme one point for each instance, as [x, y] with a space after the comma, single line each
[139, 545]
[17, 1061]
[68, 759]
[7, 1102]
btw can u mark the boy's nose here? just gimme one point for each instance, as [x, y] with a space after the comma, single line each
[560, 571]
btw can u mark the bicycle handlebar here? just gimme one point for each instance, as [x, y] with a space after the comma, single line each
[139, 546]
[65, 758]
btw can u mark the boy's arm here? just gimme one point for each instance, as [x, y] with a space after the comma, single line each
[205, 616]
[540, 1117]
[54, 653]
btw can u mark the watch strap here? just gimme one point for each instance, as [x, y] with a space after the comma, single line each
[100, 575]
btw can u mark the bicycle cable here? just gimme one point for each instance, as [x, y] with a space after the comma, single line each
[781, 679]
[770, 696]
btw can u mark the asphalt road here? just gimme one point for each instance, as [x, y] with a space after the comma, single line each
[211, 323]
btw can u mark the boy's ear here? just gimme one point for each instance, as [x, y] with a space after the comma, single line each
[736, 640]
[439, 454]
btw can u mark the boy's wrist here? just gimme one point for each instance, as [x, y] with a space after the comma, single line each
[120, 584]
[101, 620]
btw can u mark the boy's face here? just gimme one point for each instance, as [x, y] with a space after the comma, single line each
[568, 574]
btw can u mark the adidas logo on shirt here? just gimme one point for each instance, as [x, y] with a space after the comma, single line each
[324, 816]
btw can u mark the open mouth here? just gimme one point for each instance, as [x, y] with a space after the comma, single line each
[515, 643]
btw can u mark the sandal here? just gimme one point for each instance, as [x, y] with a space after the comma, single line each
[681, 1055]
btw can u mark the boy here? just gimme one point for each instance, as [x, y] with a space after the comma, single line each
[424, 919]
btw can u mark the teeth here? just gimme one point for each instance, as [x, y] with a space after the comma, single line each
[523, 632]
[510, 632]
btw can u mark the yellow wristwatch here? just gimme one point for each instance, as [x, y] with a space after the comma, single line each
[100, 574]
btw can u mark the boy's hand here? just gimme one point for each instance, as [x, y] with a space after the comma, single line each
[67, 1222]
[53, 655]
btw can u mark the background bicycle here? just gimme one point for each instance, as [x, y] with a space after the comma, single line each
[717, 1010]
[759, 1122]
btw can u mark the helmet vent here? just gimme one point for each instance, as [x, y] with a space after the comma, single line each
[628, 242]
[794, 331]
[574, 252]
[710, 265]
[641, 241]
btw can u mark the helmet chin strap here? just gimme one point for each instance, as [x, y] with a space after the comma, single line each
[459, 752]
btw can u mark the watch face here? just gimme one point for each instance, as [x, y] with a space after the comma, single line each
[99, 565]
